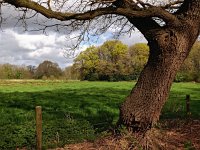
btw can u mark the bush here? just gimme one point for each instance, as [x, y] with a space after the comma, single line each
[44, 78]
[197, 77]
[179, 77]
[184, 77]
[61, 132]
[18, 135]
[93, 77]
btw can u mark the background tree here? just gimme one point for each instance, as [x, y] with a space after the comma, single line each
[170, 27]
[48, 69]
[190, 70]
[103, 62]
[194, 58]
[31, 69]
[8, 71]
[111, 65]
[138, 55]
[112, 61]
[86, 63]
[70, 74]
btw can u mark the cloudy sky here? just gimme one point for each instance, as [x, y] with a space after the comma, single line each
[30, 48]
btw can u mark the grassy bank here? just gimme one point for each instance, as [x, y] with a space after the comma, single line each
[73, 111]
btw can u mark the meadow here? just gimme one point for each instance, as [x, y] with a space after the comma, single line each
[73, 111]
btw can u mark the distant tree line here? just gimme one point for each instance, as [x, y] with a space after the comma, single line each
[115, 61]
[111, 61]
[8, 71]
[45, 70]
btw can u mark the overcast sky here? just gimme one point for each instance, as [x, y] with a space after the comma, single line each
[29, 48]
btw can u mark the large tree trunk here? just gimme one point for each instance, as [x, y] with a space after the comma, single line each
[168, 50]
[169, 47]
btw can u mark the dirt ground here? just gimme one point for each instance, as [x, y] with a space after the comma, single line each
[168, 135]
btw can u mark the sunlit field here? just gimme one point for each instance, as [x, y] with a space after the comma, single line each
[73, 111]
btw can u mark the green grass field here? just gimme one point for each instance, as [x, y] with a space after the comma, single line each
[73, 111]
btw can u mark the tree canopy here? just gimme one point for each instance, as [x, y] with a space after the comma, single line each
[48, 69]
[112, 61]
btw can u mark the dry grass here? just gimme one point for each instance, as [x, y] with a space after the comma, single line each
[170, 135]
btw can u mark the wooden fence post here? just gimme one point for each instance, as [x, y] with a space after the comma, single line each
[188, 104]
[38, 110]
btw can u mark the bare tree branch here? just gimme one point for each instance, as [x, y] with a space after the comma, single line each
[151, 11]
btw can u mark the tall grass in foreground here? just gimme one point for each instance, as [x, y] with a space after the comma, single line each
[73, 111]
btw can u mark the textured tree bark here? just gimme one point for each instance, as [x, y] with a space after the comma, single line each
[169, 47]
[168, 50]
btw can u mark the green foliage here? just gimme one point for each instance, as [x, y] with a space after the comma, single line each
[190, 70]
[188, 146]
[73, 111]
[112, 61]
[175, 107]
[70, 74]
[182, 77]
[58, 132]
[8, 71]
[138, 58]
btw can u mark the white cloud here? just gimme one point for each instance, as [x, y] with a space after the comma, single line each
[34, 41]
[136, 37]
[32, 49]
